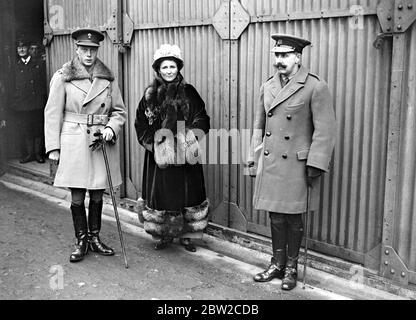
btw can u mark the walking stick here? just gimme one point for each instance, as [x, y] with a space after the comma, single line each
[94, 146]
[308, 201]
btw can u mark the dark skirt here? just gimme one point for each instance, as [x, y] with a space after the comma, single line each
[174, 187]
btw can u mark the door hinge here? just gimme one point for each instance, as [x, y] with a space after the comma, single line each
[123, 37]
[230, 20]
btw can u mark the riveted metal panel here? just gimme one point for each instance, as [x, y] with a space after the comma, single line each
[404, 229]
[348, 223]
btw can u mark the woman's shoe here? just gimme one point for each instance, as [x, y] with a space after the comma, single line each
[162, 243]
[186, 242]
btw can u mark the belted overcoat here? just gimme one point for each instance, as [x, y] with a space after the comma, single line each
[71, 91]
[294, 127]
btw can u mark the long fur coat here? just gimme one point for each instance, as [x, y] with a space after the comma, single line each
[174, 194]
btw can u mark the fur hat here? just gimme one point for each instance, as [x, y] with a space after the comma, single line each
[167, 52]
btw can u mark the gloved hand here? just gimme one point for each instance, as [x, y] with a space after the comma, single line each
[55, 155]
[251, 168]
[312, 173]
[108, 134]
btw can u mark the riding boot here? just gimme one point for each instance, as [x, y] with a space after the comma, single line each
[276, 268]
[94, 225]
[294, 236]
[291, 274]
[80, 225]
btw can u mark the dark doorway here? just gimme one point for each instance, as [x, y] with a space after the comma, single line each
[19, 19]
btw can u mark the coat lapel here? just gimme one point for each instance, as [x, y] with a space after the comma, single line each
[98, 86]
[297, 83]
[84, 85]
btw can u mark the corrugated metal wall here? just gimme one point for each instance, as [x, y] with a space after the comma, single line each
[204, 68]
[348, 223]
[404, 241]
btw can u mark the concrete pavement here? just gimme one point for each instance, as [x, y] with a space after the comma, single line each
[218, 270]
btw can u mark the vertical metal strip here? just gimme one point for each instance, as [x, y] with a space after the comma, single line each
[393, 147]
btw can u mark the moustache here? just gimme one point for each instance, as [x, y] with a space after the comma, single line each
[280, 65]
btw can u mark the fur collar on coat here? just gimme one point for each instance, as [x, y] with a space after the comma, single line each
[74, 70]
[168, 100]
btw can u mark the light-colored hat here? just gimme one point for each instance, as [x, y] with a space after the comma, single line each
[167, 51]
[287, 43]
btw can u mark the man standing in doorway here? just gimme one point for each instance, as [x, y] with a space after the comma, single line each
[29, 102]
[295, 130]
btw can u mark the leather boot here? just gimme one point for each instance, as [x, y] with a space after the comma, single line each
[294, 240]
[276, 268]
[94, 225]
[291, 274]
[80, 225]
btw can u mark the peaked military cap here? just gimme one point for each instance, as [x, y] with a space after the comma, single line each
[287, 43]
[87, 37]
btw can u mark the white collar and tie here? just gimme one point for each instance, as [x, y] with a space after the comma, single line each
[26, 61]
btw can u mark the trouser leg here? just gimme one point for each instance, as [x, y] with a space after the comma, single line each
[279, 238]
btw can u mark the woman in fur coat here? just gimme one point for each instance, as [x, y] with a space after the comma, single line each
[170, 119]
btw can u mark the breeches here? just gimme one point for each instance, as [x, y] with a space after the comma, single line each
[78, 196]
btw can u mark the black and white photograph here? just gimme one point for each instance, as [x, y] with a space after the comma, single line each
[208, 156]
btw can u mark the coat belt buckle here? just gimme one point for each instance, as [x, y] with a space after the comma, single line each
[90, 120]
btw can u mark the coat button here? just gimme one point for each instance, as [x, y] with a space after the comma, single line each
[102, 105]
[287, 138]
[270, 114]
[284, 156]
[268, 134]
[266, 153]
[289, 117]
[88, 131]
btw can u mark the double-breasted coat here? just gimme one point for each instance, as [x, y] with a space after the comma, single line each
[30, 86]
[294, 127]
[72, 92]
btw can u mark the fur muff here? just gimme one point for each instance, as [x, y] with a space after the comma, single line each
[163, 223]
[74, 70]
[165, 152]
[177, 150]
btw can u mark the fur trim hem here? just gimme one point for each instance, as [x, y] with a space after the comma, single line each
[74, 70]
[164, 223]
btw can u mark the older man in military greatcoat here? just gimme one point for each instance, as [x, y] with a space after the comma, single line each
[292, 145]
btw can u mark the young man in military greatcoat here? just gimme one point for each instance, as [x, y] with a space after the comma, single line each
[292, 145]
[85, 98]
